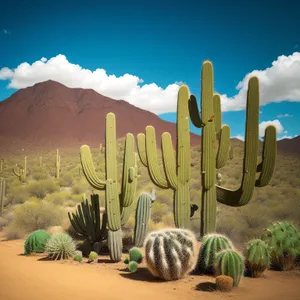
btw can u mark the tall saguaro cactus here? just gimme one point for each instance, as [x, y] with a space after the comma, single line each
[213, 157]
[2, 194]
[21, 171]
[117, 200]
[177, 172]
[57, 164]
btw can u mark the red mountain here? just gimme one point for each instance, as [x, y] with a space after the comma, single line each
[50, 115]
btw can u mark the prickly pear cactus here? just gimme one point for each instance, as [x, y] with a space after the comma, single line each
[230, 263]
[211, 245]
[170, 254]
[257, 257]
[283, 238]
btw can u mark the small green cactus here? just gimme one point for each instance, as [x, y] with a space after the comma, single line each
[211, 245]
[93, 256]
[230, 263]
[36, 241]
[283, 238]
[136, 255]
[133, 266]
[78, 258]
[257, 257]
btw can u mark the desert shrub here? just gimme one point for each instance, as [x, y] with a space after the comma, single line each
[41, 188]
[17, 194]
[33, 215]
[158, 210]
[39, 173]
[58, 198]
[80, 187]
[66, 179]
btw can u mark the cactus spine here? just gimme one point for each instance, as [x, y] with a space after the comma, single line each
[21, 171]
[2, 194]
[230, 263]
[142, 217]
[213, 159]
[170, 254]
[57, 164]
[177, 172]
[114, 200]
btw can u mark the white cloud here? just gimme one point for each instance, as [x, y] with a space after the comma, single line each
[239, 137]
[126, 87]
[278, 83]
[284, 116]
[285, 137]
[276, 123]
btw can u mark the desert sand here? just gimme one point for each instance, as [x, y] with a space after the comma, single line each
[36, 278]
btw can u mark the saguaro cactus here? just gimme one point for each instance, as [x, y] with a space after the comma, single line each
[213, 157]
[57, 164]
[1, 164]
[115, 198]
[21, 171]
[176, 173]
[2, 193]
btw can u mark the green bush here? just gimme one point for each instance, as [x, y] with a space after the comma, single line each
[41, 188]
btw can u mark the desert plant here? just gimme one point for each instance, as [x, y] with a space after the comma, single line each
[224, 283]
[57, 165]
[136, 255]
[21, 171]
[257, 257]
[211, 245]
[133, 266]
[93, 256]
[230, 263]
[78, 258]
[60, 246]
[283, 238]
[142, 217]
[170, 254]
[41, 188]
[36, 241]
[2, 194]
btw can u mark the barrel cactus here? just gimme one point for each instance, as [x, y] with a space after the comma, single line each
[36, 241]
[136, 255]
[224, 283]
[230, 263]
[283, 238]
[60, 246]
[170, 254]
[211, 245]
[257, 257]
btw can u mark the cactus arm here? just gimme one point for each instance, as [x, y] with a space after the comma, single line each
[169, 159]
[89, 168]
[141, 147]
[223, 149]
[194, 112]
[217, 114]
[151, 153]
[243, 195]
[266, 167]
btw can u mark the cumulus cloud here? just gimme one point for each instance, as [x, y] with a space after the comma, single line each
[264, 124]
[126, 87]
[284, 116]
[278, 83]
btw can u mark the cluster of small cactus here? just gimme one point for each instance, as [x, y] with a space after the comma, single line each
[135, 257]
[36, 242]
[60, 246]
[283, 239]
[170, 254]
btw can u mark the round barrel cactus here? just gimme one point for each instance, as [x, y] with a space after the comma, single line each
[36, 241]
[136, 255]
[230, 263]
[211, 245]
[170, 254]
[61, 246]
[257, 257]
[283, 239]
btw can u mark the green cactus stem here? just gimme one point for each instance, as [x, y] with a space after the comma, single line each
[1, 164]
[21, 171]
[216, 149]
[176, 173]
[2, 194]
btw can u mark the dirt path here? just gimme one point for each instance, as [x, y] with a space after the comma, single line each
[35, 278]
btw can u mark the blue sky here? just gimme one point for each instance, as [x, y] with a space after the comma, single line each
[158, 44]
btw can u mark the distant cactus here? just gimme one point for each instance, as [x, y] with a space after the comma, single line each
[230, 263]
[142, 217]
[170, 254]
[60, 246]
[36, 241]
[1, 164]
[21, 171]
[283, 238]
[57, 164]
[224, 283]
[136, 255]
[211, 245]
[2, 194]
[257, 257]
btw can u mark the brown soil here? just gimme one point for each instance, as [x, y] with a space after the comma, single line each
[35, 277]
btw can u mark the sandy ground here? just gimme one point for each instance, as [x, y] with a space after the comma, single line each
[36, 278]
